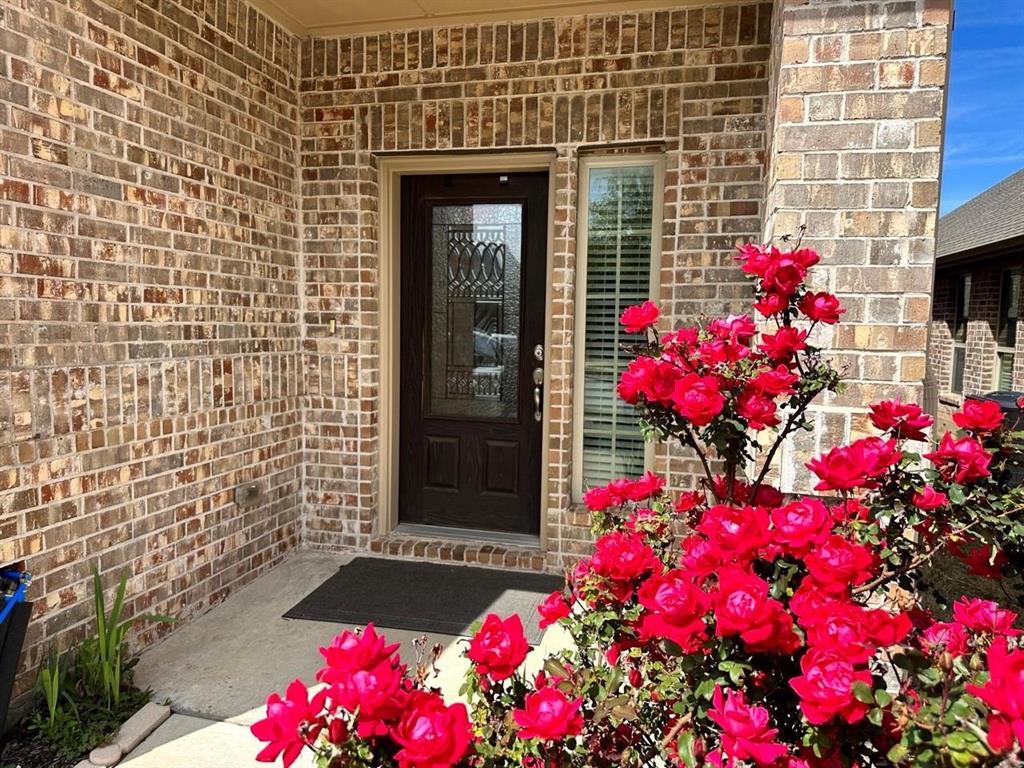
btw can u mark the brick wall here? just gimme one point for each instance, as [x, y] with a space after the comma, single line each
[858, 89]
[694, 80]
[189, 195]
[149, 302]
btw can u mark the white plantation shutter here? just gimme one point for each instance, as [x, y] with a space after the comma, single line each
[620, 233]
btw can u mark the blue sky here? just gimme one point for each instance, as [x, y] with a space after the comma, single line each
[985, 124]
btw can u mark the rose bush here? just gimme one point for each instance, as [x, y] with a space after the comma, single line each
[731, 624]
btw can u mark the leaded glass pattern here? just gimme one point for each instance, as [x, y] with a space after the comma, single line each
[473, 360]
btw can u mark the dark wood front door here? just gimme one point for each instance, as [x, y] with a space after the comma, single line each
[473, 271]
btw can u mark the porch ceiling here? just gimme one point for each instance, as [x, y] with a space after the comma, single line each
[325, 18]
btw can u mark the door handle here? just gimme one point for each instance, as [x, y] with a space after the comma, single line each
[538, 382]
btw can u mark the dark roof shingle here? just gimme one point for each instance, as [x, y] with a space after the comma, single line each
[997, 214]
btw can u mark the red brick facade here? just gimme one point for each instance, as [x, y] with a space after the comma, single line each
[189, 195]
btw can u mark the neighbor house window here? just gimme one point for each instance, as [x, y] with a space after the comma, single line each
[619, 225]
[1006, 328]
[961, 305]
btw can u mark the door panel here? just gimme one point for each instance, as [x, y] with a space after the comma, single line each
[472, 287]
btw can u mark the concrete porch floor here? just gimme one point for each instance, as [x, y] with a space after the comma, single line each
[217, 671]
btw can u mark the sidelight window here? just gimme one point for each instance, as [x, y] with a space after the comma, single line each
[620, 232]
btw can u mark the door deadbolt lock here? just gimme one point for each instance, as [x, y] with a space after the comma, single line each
[538, 353]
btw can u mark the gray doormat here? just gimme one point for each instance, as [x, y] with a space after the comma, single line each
[425, 597]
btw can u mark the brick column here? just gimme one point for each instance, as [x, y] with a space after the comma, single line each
[855, 143]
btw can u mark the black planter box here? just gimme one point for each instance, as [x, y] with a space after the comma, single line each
[12, 637]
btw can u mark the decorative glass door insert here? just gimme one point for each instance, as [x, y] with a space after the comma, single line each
[473, 360]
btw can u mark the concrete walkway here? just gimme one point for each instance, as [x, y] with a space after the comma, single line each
[217, 671]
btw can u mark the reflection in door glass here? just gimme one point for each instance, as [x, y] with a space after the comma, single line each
[473, 360]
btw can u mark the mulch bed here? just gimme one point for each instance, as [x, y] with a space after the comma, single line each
[25, 750]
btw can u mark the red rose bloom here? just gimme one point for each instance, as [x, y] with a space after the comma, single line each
[775, 382]
[675, 609]
[856, 465]
[733, 328]
[291, 724]
[826, 687]
[928, 499]
[981, 559]
[961, 461]
[842, 626]
[430, 734]
[801, 525]
[549, 715]
[771, 304]
[746, 734]
[944, 637]
[377, 695]
[736, 531]
[906, 421]
[979, 416]
[697, 399]
[784, 274]
[821, 307]
[499, 647]
[655, 380]
[699, 555]
[647, 486]
[350, 652]
[755, 258]
[640, 317]
[984, 616]
[783, 344]
[758, 410]
[552, 609]
[742, 607]
[839, 563]
[622, 557]
[1004, 696]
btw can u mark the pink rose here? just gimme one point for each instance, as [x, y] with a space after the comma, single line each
[961, 460]
[552, 609]
[430, 734]
[984, 616]
[905, 421]
[291, 724]
[979, 416]
[549, 715]
[639, 318]
[801, 525]
[821, 307]
[746, 734]
[1004, 695]
[499, 647]
[826, 687]
[698, 399]
[928, 499]
[675, 609]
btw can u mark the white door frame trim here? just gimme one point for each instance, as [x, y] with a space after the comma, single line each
[391, 169]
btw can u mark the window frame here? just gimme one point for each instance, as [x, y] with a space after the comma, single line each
[1002, 319]
[587, 164]
[961, 293]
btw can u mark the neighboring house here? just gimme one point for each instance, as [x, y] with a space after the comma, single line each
[974, 346]
[245, 246]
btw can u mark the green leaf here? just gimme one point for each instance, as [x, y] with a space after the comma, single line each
[882, 698]
[898, 753]
[685, 747]
[862, 692]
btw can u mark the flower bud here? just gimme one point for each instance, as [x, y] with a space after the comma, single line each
[338, 731]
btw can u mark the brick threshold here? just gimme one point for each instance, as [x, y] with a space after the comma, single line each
[443, 550]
